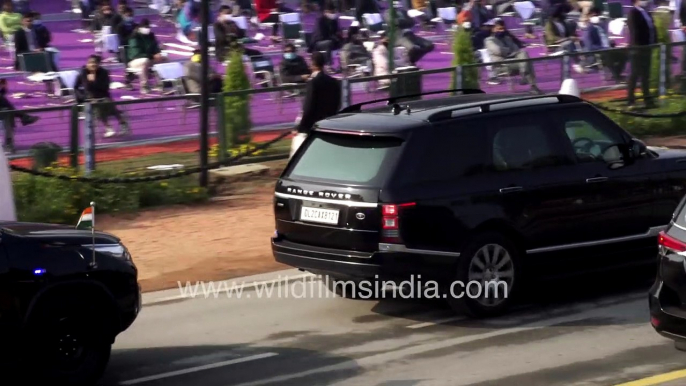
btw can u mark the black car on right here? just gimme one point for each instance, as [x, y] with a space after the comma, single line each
[486, 188]
[667, 297]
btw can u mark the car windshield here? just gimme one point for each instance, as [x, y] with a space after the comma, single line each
[347, 159]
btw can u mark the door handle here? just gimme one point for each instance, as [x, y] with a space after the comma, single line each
[595, 179]
[510, 189]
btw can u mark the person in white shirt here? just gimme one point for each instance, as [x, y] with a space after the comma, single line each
[380, 60]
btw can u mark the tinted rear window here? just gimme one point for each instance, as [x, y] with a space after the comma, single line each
[347, 159]
[452, 150]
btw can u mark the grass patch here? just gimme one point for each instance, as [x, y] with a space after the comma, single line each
[651, 126]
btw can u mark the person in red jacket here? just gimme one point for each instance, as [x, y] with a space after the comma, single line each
[268, 12]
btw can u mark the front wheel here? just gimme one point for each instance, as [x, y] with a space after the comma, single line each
[487, 276]
[70, 347]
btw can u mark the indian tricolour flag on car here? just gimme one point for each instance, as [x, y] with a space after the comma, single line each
[87, 220]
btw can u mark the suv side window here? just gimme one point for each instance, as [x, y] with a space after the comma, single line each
[452, 150]
[524, 142]
[591, 137]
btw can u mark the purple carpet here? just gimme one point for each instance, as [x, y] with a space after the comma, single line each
[157, 121]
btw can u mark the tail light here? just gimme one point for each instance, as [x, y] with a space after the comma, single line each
[671, 243]
[390, 222]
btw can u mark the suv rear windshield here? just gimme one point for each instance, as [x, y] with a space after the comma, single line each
[347, 159]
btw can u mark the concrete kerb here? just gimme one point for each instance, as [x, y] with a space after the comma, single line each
[247, 283]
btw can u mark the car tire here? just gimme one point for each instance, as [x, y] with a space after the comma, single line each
[70, 346]
[476, 263]
[350, 288]
[680, 345]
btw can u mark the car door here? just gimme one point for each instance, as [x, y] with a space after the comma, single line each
[619, 194]
[532, 176]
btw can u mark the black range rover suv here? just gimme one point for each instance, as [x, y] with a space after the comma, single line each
[473, 187]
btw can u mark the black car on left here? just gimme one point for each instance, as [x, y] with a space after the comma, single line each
[65, 294]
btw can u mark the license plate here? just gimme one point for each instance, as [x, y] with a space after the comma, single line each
[324, 216]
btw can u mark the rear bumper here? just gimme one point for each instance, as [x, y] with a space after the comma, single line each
[390, 264]
[668, 321]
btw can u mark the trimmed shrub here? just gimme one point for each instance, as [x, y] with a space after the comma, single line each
[237, 121]
[662, 20]
[463, 53]
[44, 199]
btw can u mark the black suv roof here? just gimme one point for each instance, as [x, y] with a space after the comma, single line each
[399, 116]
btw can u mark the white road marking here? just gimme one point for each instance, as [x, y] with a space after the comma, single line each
[386, 357]
[437, 322]
[198, 368]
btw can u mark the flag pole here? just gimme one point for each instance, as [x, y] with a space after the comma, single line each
[93, 232]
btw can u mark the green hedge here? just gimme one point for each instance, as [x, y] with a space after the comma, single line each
[647, 127]
[463, 54]
[44, 199]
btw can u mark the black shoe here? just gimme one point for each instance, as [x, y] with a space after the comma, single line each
[29, 119]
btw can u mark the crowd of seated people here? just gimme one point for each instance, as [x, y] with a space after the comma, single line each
[142, 48]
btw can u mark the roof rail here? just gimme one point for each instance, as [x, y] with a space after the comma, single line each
[392, 100]
[502, 104]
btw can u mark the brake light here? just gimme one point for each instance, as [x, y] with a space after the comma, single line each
[671, 243]
[390, 222]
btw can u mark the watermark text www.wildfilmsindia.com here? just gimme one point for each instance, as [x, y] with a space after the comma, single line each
[318, 287]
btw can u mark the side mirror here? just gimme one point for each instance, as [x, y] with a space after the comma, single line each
[637, 148]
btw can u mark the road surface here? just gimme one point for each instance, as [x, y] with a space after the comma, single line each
[579, 332]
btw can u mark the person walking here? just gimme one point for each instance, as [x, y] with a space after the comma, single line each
[642, 33]
[322, 100]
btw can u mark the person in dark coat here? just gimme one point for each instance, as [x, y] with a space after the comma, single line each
[93, 85]
[24, 39]
[327, 35]
[642, 33]
[293, 68]
[322, 95]
[322, 100]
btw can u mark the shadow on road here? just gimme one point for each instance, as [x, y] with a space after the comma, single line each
[222, 366]
[541, 297]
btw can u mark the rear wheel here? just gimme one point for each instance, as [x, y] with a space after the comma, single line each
[72, 346]
[486, 276]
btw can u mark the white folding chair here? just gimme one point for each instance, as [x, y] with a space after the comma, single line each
[110, 43]
[171, 72]
[241, 22]
[616, 27]
[68, 81]
[374, 23]
[525, 9]
[447, 16]
[292, 28]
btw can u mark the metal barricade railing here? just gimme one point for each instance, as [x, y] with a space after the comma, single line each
[176, 118]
